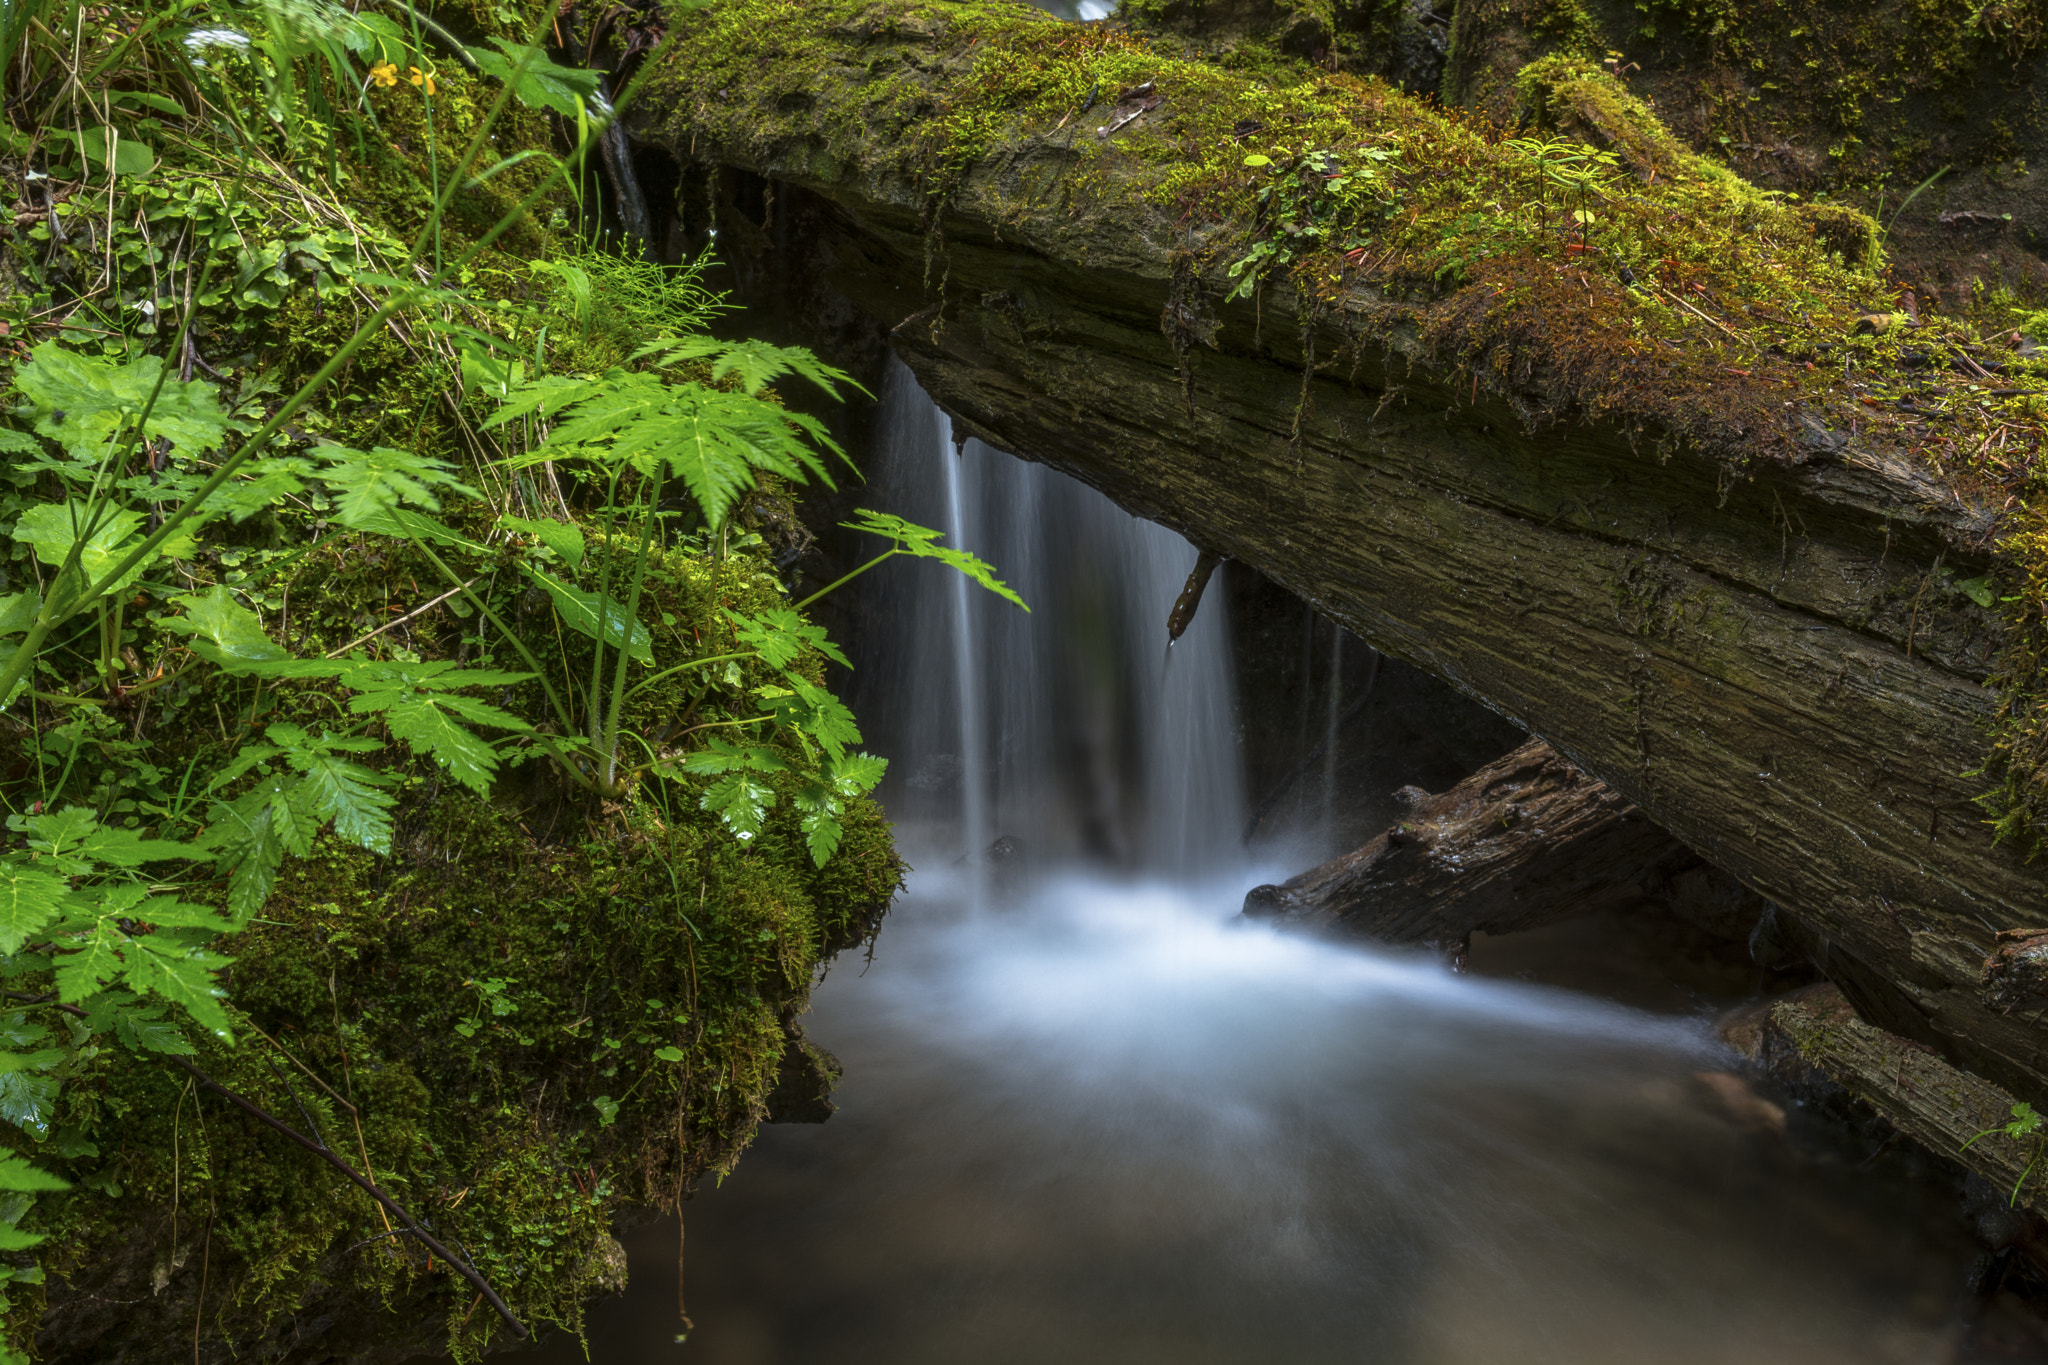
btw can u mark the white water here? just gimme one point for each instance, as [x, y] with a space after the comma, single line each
[1090, 1116]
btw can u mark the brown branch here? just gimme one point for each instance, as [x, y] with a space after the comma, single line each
[328, 1155]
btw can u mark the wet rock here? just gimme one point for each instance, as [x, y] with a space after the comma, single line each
[803, 1083]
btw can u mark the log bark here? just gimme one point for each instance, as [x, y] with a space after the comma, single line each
[1766, 663]
[1526, 841]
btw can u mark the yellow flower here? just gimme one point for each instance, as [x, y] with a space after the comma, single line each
[424, 79]
[384, 73]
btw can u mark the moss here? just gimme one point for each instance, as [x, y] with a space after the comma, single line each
[491, 1004]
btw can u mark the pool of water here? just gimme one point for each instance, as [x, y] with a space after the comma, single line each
[1104, 1122]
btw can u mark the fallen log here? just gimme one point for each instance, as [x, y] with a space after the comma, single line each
[1734, 600]
[1526, 841]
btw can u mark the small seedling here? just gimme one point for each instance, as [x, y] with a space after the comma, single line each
[2025, 1123]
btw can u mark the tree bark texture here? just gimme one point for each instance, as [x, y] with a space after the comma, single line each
[1768, 664]
[1526, 841]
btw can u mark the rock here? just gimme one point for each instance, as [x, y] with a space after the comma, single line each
[803, 1082]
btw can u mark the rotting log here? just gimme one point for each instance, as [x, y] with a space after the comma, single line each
[1764, 654]
[1526, 841]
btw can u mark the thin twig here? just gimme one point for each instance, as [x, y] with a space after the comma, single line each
[328, 1155]
[429, 606]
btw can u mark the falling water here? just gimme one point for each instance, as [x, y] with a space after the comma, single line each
[1107, 1122]
[1069, 731]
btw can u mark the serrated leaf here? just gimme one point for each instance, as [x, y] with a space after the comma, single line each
[28, 1100]
[368, 486]
[183, 976]
[14, 1239]
[235, 633]
[601, 618]
[922, 541]
[80, 401]
[92, 959]
[822, 833]
[564, 538]
[424, 723]
[141, 1031]
[252, 834]
[350, 795]
[780, 636]
[107, 536]
[741, 800]
[29, 899]
[17, 1174]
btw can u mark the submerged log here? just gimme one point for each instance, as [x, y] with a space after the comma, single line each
[1526, 841]
[1728, 602]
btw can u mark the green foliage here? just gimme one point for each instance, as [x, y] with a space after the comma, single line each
[2025, 1123]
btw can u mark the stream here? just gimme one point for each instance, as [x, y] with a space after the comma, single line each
[1091, 1115]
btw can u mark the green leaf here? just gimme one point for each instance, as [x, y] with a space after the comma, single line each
[252, 835]
[182, 975]
[370, 485]
[16, 1174]
[668, 1054]
[564, 538]
[1256, 160]
[18, 612]
[912, 539]
[28, 1100]
[80, 401]
[232, 635]
[1979, 590]
[94, 958]
[607, 1107]
[140, 1030]
[588, 613]
[76, 842]
[424, 722]
[537, 82]
[780, 636]
[741, 801]
[29, 899]
[52, 528]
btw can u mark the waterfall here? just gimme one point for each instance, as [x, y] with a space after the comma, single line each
[1110, 747]
[1108, 1120]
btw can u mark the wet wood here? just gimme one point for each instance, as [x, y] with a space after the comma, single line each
[1528, 840]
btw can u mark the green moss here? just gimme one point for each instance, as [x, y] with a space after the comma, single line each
[492, 1004]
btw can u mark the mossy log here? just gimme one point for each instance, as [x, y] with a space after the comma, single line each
[1527, 840]
[1733, 606]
